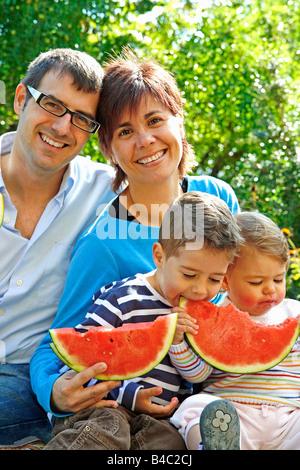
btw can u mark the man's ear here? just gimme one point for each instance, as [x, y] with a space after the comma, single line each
[158, 254]
[20, 96]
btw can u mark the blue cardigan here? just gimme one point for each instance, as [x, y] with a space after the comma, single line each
[109, 250]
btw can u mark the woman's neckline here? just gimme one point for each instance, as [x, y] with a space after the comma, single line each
[118, 211]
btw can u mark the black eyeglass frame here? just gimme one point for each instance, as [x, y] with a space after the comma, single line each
[38, 96]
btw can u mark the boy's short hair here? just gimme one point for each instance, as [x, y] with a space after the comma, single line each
[199, 217]
[264, 234]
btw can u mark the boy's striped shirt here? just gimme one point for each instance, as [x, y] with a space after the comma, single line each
[133, 300]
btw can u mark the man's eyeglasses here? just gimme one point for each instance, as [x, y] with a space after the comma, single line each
[58, 109]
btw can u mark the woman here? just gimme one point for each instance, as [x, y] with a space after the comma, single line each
[142, 134]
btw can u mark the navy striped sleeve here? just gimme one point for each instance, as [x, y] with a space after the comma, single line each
[105, 311]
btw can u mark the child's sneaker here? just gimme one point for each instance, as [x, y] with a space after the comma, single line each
[220, 426]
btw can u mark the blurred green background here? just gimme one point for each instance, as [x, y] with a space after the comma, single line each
[237, 64]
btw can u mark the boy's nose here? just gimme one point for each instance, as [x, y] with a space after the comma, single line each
[200, 291]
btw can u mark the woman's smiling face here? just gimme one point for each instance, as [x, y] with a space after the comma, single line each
[147, 143]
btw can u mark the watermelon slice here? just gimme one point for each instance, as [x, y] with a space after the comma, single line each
[1, 209]
[230, 340]
[130, 350]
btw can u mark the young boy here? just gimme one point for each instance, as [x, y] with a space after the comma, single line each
[198, 240]
[267, 403]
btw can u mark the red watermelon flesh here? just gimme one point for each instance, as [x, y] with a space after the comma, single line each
[129, 351]
[229, 340]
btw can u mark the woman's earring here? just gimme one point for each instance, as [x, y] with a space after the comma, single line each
[116, 166]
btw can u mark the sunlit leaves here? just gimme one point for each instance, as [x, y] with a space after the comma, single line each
[237, 64]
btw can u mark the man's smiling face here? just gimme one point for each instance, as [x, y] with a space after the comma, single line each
[47, 143]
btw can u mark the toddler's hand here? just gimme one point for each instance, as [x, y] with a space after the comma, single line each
[185, 324]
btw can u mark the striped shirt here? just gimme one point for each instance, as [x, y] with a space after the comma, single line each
[276, 386]
[133, 300]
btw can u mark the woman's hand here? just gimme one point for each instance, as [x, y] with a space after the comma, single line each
[143, 403]
[69, 394]
[185, 324]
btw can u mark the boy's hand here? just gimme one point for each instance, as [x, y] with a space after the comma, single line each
[185, 324]
[143, 403]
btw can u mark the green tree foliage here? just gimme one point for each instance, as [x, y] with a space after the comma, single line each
[236, 62]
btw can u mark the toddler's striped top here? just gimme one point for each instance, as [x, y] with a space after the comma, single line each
[279, 385]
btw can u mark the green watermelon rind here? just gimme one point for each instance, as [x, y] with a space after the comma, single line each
[62, 358]
[62, 355]
[243, 369]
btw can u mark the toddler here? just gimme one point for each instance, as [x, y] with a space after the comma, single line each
[266, 404]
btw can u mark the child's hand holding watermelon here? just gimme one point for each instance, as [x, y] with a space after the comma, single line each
[185, 324]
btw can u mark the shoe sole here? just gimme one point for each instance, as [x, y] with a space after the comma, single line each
[220, 426]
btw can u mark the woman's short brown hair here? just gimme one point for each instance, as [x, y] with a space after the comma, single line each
[127, 79]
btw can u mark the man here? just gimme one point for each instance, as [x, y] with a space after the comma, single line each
[50, 195]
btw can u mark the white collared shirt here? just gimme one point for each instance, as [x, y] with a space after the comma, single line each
[33, 272]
